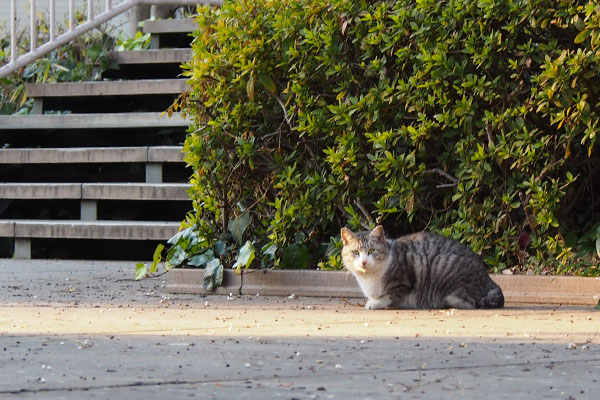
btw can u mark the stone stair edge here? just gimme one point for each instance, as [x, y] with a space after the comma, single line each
[96, 191]
[106, 88]
[77, 229]
[159, 26]
[92, 121]
[151, 56]
[153, 154]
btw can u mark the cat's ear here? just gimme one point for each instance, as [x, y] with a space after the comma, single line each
[377, 234]
[347, 236]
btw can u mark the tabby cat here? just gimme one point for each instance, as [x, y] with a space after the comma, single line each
[423, 270]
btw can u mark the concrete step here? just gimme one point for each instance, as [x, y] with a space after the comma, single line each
[92, 121]
[170, 26]
[155, 56]
[40, 190]
[159, 154]
[92, 155]
[112, 230]
[106, 88]
[136, 191]
[7, 229]
[96, 191]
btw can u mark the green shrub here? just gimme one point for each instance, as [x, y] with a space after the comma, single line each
[475, 119]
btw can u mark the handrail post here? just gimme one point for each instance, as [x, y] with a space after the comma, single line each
[52, 20]
[33, 26]
[13, 30]
[71, 16]
[90, 10]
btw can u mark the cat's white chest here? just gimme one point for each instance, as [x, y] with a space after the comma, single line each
[371, 284]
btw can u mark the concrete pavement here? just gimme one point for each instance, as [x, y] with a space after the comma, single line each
[81, 330]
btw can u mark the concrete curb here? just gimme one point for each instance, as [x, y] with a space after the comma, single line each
[518, 289]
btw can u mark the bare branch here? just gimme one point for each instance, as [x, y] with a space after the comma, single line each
[365, 226]
[445, 175]
[364, 211]
[288, 120]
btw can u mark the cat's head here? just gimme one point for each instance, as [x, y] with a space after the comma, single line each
[364, 252]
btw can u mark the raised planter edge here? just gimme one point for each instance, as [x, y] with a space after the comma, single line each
[518, 289]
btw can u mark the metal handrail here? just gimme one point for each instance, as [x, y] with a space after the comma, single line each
[92, 22]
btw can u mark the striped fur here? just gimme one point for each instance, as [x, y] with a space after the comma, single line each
[423, 270]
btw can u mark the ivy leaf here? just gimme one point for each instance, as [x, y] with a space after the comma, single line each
[199, 260]
[219, 248]
[269, 250]
[156, 258]
[176, 255]
[213, 275]
[245, 257]
[295, 256]
[238, 226]
[140, 271]
[176, 237]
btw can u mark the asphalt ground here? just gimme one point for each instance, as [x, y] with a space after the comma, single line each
[79, 330]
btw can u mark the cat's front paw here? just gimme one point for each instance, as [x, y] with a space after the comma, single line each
[377, 304]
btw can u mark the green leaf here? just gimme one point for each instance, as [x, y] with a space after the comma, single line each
[176, 255]
[245, 257]
[250, 87]
[93, 52]
[267, 82]
[571, 239]
[176, 237]
[199, 260]
[578, 22]
[213, 275]
[581, 36]
[168, 266]
[220, 248]
[238, 226]
[156, 258]
[269, 250]
[299, 237]
[295, 256]
[140, 271]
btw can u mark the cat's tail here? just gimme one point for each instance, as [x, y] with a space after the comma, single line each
[494, 297]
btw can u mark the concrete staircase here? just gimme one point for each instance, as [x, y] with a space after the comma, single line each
[97, 172]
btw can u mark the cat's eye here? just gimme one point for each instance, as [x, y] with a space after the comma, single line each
[372, 251]
[355, 252]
